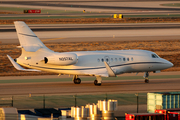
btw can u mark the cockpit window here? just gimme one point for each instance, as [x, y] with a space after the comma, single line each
[154, 56]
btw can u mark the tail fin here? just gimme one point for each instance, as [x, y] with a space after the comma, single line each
[28, 40]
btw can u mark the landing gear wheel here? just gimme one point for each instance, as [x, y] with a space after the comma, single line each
[146, 75]
[96, 83]
[77, 81]
[146, 80]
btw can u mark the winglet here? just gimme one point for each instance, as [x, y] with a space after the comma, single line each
[18, 67]
[110, 71]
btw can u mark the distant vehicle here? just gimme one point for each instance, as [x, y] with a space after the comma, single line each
[36, 56]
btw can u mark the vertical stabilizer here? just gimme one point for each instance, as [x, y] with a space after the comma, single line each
[28, 40]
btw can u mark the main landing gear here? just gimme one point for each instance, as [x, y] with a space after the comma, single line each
[76, 79]
[98, 81]
[146, 75]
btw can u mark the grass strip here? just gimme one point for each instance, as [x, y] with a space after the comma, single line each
[172, 4]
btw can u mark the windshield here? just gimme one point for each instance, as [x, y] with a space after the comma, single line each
[154, 56]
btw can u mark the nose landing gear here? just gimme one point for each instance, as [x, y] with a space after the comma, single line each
[146, 75]
[146, 80]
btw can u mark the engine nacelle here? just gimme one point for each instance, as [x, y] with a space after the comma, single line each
[62, 59]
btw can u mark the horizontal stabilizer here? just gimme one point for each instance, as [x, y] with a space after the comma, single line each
[18, 67]
[109, 70]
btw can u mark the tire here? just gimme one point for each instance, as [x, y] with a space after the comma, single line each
[96, 83]
[146, 81]
[78, 81]
[74, 81]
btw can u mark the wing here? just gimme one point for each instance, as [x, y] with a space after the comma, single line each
[18, 67]
[107, 72]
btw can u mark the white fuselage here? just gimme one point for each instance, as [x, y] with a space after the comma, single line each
[92, 62]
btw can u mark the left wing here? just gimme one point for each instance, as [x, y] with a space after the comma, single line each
[18, 67]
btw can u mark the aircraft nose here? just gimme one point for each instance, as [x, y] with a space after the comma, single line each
[169, 64]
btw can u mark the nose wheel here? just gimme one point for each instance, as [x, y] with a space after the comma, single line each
[146, 75]
[146, 80]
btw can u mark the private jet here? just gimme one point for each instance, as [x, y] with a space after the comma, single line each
[37, 57]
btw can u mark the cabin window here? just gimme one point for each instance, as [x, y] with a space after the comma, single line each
[127, 59]
[102, 60]
[119, 59]
[116, 59]
[111, 59]
[107, 60]
[132, 59]
[98, 60]
[124, 59]
[154, 56]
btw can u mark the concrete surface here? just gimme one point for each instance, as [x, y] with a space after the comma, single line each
[108, 32]
[87, 87]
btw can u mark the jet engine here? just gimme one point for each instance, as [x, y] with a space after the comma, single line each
[62, 59]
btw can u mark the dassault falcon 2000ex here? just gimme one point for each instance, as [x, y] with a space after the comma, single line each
[36, 56]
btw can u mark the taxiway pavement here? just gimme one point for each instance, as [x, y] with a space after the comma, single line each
[108, 6]
[96, 32]
[87, 87]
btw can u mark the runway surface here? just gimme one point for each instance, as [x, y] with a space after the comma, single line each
[79, 27]
[108, 5]
[100, 7]
[87, 87]
[96, 32]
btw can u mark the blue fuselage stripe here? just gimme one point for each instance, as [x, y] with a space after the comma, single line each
[100, 67]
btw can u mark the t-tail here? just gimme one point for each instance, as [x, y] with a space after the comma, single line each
[35, 53]
[30, 44]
